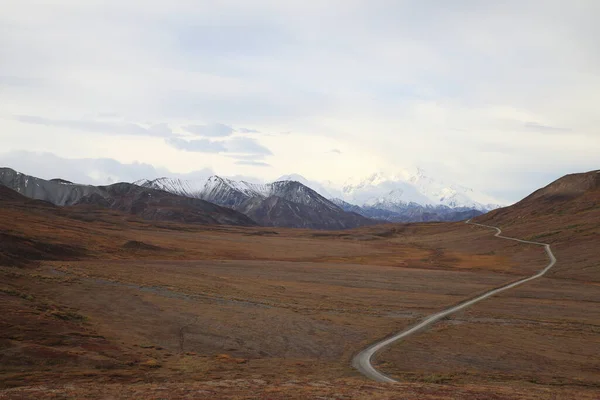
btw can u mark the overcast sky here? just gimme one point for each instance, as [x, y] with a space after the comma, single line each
[498, 96]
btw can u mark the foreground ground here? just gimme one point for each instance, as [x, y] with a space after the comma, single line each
[125, 308]
[240, 389]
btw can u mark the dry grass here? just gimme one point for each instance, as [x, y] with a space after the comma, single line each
[141, 306]
[245, 389]
[546, 332]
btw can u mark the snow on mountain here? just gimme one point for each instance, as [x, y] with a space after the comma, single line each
[296, 192]
[174, 185]
[391, 191]
[216, 183]
[321, 188]
[452, 195]
[232, 193]
[285, 203]
[403, 187]
[377, 189]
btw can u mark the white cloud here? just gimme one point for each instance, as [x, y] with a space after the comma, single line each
[545, 128]
[252, 163]
[84, 170]
[236, 145]
[197, 145]
[212, 130]
[103, 127]
[244, 145]
[248, 131]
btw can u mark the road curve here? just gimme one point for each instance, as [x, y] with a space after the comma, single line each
[362, 361]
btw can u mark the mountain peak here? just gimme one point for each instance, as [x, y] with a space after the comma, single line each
[217, 178]
[286, 202]
[293, 177]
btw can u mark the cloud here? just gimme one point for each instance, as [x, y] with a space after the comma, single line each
[245, 145]
[109, 115]
[18, 81]
[246, 130]
[213, 130]
[197, 145]
[217, 130]
[162, 130]
[102, 127]
[247, 156]
[545, 128]
[336, 151]
[253, 163]
[99, 171]
[241, 146]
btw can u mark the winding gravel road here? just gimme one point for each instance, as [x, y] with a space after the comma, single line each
[362, 361]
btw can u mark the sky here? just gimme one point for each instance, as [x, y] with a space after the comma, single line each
[502, 97]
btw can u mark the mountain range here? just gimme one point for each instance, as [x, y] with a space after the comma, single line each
[400, 197]
[125, 197]
[291, 201]
[403, 187]
[282, 203]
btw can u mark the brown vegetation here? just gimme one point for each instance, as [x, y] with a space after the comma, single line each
[98, 303]
[544, 332]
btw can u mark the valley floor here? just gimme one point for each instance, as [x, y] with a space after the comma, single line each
[179, 311]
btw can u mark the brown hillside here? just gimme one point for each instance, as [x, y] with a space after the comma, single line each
[7, 195]
[568, 187]
[566, 214]
[572, 193]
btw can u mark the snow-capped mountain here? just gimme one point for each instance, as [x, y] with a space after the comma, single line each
[284, 203]
[146, 203]
[402, 196]
[391, 191]
[452, 195]
[231, 193]
[321, 188]
[181, 187]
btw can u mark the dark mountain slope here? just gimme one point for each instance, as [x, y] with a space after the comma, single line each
[410, 212]
[298, 193]
[159, 205]
[56, 191]
[132, 199]
[277, 211]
